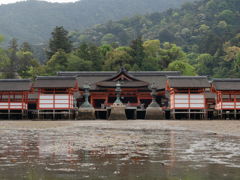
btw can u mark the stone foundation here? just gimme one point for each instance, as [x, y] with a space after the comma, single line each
[118, 112]
[154, 113]
[86, 114]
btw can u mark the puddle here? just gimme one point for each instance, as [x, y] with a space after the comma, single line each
[113, 152]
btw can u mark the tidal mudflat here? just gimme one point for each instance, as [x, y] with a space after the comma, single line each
[119, 150]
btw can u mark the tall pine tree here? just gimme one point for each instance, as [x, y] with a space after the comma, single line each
[59, 40]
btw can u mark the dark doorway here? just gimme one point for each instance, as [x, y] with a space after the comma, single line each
[141, 114]
[130, 113]
[167, 114]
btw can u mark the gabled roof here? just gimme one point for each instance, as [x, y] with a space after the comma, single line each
[188, 82]
[93, 77]
[15, 85]
[127, 81]
[226, 84]
[55, 82]
[111, 73]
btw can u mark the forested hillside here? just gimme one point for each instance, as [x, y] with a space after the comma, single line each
[200, 38]
[33, 21]
[207, 30]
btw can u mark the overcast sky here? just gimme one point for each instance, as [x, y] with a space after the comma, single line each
[13, 1]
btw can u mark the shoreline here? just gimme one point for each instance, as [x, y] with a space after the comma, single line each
[228, 127]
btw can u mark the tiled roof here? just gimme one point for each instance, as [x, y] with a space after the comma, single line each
[15, 84]
[55, 82]
[188, 82]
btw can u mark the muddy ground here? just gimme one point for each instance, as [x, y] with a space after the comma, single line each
[217, 126]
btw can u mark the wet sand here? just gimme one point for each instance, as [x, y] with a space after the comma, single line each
[216, 126]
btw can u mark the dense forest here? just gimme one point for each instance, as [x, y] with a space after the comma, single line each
[200, 38]
[33, 20]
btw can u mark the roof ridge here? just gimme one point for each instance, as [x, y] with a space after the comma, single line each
[54, 77]
[187, 77]
[223, 80]
[15, 80]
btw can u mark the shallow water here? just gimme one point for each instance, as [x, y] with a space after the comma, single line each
[95, 152]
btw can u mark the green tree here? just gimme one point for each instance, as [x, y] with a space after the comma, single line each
[150, 64]
[135, 68]
[103, 49]
[83, 52]
[4, 60]
[59, 40]
[76, 64]
[95, 58]
[25, 47]
[58, 62]
[186, 5]
[223, 6]
[123, 38]
[151, 47]
[108, 39]
[137, 52]
[227, 16]
[27, 63]
[170, 53]
[116, 59]
[204, 64]
[12, 66]
[187, 69]
[211, 5]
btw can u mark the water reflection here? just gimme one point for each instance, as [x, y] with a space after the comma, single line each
[97, 153]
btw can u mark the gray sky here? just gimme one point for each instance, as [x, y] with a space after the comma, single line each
[13, 1]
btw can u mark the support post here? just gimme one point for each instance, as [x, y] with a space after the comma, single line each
[189, 115]
[38, 114]
[22, 113]
[97, 115]
[107, 114]
[69, 114]
[8, 113]
[174, 115]
[53, 114]
[235, 114]
[135, 114]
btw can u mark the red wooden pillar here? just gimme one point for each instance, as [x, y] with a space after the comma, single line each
[235, 100]
[69, 99]
[205, 99]
[91, 96]
[53, 98]
[189, 98]
[138, 98]
[8, 100]
[22, 98]
[39, 90]
[221, 99]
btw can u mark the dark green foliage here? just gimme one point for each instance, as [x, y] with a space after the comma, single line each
[59, 40]
[137, 50]
[95, 58]
[13, 65]
[83, 52]
[33, 21]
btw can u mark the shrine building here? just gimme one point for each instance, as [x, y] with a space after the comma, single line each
[188, 96]
[227, 97]
[55, 96]
[14, 98]
[135, 88]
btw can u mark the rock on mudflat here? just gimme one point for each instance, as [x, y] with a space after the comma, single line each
[154, 113]
[118, 112]
[86, 114]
